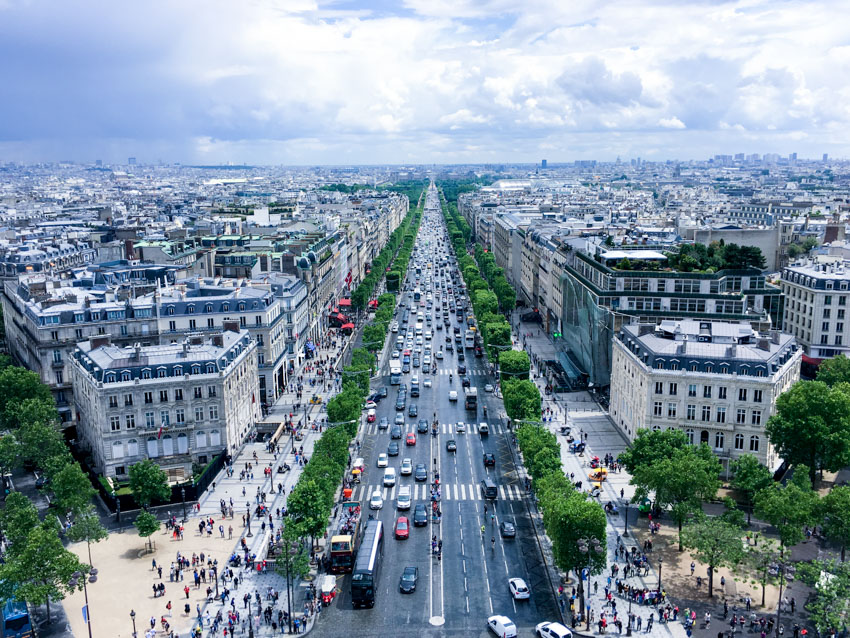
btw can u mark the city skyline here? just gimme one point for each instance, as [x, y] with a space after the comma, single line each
[395, 83]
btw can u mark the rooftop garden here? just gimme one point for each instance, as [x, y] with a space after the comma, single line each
[701, 258]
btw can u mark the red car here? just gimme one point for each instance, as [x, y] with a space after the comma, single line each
[411, 439]
[402, 528]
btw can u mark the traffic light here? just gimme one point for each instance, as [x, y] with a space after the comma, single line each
[556, 335]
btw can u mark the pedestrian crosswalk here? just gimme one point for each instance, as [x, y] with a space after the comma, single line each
[449, 492]
[469, 373]
[443, 428]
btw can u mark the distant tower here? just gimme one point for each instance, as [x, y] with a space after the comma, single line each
[825, 157]
[131, 161]
[543, 163]
[98, 162]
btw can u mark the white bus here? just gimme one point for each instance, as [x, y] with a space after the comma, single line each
[395, 373]
[469, 339]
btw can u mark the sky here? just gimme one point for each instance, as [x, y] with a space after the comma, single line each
[421, 81]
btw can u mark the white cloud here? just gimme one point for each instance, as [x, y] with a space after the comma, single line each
[671, 122]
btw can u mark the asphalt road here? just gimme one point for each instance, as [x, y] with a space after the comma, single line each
[454, 595]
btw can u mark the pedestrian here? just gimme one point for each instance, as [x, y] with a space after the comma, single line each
[168, 609]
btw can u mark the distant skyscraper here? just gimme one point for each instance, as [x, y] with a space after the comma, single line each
[131, 161]
[542, 163]
[98, 162]
[825, 156]
[792, 157]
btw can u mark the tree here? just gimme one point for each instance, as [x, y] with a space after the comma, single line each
[147, 524]
[788, 507]
[514, 364]
[484, 301]
[522, 400]
[651, 446]
[750, 477]
[41, 570]
[715, 543]
[345, 406]
[760, 561]
[359, 374]
[10, 453]
[835, 370]
[40, 441]
[835, 511]
[308, 506]
[829, 604]
[569, 517]
[16, 386]
[37, 410]
[148, 483]
[72, 488]
[811, 426]
[498, 338]
[87, 528]
[17, 519]
[292, 558]
[373, 337]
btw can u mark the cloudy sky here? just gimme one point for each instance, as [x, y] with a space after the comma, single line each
[400, 81]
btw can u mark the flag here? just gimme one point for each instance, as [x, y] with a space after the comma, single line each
[159, 434]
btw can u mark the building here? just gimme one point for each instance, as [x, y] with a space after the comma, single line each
[816, 306]
[176, 404]
[718, 382]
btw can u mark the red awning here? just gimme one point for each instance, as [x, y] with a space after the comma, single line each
[345, 302]
[374, 303]
[347, 326]
[812, 360]
[341, 317]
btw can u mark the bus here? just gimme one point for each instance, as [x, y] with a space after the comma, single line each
[16, 620]
[344, 542]
[395, 373]
[367, 568]
[469, 339]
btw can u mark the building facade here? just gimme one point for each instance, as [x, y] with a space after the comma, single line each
[718, 382]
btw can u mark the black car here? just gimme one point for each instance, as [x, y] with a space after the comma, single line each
[392, 449]
[461, 369]
[489, 459]
[456, 330]
[395, 432]
[420, 516]
[413, 410]
[401, 402]
[478, 351]
[41, 482]
[384, 423]
[507, 528]
[407, 583]
[460, 355]
[405, 368]
[450, 347]
[451, 446]
[422, 426]
[464, 381]
[420, 473]
[384, 391]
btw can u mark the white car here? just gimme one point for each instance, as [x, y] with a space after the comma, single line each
[370, 405]
[377, 501]
[452, 395]
[502, 626]
[488, 387]
[460, 428]
[406, 467]
[395, 327]
[519, 590]
[427, 382]
[552, 630]
[383, 459]
[439, 354]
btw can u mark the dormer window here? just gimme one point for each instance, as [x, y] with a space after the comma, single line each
[146, 373]
[125, 375]
[210, 368]
[190, 309]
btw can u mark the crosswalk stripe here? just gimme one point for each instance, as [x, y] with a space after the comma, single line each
[421, 492]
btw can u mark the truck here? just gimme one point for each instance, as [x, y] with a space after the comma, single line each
[344, 543]
[395, 373]
[471, 398]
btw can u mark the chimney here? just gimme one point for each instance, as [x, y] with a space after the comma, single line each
[137, 351]
[645, 329]
[774, 337]
[185, 348]
[218, 340]
[232, 326]
[764, 344]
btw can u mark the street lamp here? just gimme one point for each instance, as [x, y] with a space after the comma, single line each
[249, 534]
[183, 498]
[587, 551]
[133, 618]
[215, 575]
[78, 577]
[117, 507]
[626, 531]
[250, 621]
[659, 575]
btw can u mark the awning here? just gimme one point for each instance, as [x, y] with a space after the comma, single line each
[812, 360]
[347, 326]
[341, 317]
[373, 303]
[345, 302]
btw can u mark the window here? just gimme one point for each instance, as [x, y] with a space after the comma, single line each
[57, 356]
[756, 417]
[132, 447]
[674, 365]
[210, 368]
[721, 392]
[741, 416]
[838, 340]
[199, 414]
[213, 412]
[113, 402]
[839, 327]
[674, 388]
[172, 326]
[149, 420]
[258, 320]
[161, 373]
[754, 443]
[123, 329]
[824, 326]
[163, 396]
[128, 399]
[719, 440]
[178, 394]
[180, 415]
[671, 410]
[146, 373]
[724, 369]
[210, 391]
[190, 309]
[197, 392]
[742, 394]
[706, 392]
[692, 390]
[193, 325]
[148, 397]
[54, 335]
[210, 323]
[130, 421]
[827, 300]
[114, 423]
[79, 333]
[691, 413]
[826, 315]
[657, 408]
[117, 450]
[757, 396]
[690, 434]
[706, 413]
[125, 376]
[739, 441]
[824, 340]
[164, 417]
[60, 378]
[659, 387]
[721, 414]
[243, 321]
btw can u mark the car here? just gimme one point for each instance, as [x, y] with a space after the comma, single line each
[371, 416]
[384, 391]
[410, 439]
[395, 326]
[488, 387]
[420, 515]
[489, 459]
[407, 583]
[450, 347]
[420, 473]
[518, 588]
[405, 368]
[413, 410]
[507, 528]
[406, 468]
[396, 354]
[461, 369]
[401, 401]
[552, 630]
[383, 459]
[460, 428]
[439, 354]
[422, 426]
[502, 626]
[395, 432]
[460, 355]
[370, 405]
[452, 395]
[427, 383]
[399, 419]
[376, 502]
[451, 445]
[426, 360]
[464, 381]
[384, 423]
[402, 528]
[392, 449]
[415, 362]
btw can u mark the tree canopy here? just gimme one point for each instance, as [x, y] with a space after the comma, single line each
[149, 483]
[715, 543]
